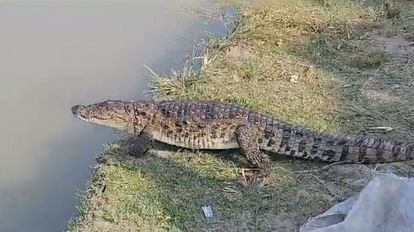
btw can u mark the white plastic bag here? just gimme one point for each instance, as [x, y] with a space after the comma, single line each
[386, 204]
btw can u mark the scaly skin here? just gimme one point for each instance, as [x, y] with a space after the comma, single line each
[214, 125]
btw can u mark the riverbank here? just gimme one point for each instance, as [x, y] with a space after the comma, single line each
[333, 66]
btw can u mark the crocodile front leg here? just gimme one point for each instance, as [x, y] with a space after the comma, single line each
[140, 144]
[247, 138]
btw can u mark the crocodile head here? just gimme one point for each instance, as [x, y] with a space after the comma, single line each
[114, 114]
[128, 116]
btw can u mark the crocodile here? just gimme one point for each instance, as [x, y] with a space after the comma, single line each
[210, 125]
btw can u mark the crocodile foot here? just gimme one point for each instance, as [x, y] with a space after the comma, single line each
[252, 176]
[138, 145]
[247, 138]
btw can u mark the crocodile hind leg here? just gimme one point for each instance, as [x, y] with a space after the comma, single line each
[247, 138]
[139, 145]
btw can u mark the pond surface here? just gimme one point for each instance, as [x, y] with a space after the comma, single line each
[55, 55]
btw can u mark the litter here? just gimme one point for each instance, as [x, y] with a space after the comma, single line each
[207, 211]
[386, 204]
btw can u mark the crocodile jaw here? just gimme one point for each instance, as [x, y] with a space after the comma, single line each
[104, 115]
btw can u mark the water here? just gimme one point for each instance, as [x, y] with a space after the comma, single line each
[55, 55]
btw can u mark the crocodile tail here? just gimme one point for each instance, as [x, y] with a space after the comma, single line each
[302, 143]
[363, 149]
[368, 149]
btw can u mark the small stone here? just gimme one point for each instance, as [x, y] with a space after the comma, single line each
[294, 78]
[396, 86]
[279, 43]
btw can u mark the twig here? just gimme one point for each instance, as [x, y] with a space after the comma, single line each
[324, 185]
[324, 167]
[236, 25]
[151, 71]
[383, 129]
[114, 153]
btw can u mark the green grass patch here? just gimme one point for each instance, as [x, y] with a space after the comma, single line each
[372, 59]
[166, 194]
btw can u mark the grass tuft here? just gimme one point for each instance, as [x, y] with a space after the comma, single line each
[391, 9]
[372, 59]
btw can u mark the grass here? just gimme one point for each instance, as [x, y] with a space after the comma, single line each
[333, 66]
[371, 59]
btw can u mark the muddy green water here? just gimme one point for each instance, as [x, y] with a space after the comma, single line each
[57, 54]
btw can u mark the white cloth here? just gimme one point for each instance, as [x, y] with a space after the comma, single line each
[386, 204]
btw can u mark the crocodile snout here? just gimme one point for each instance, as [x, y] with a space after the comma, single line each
[77, 110]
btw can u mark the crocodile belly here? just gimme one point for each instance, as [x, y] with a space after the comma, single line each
[196, 141]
